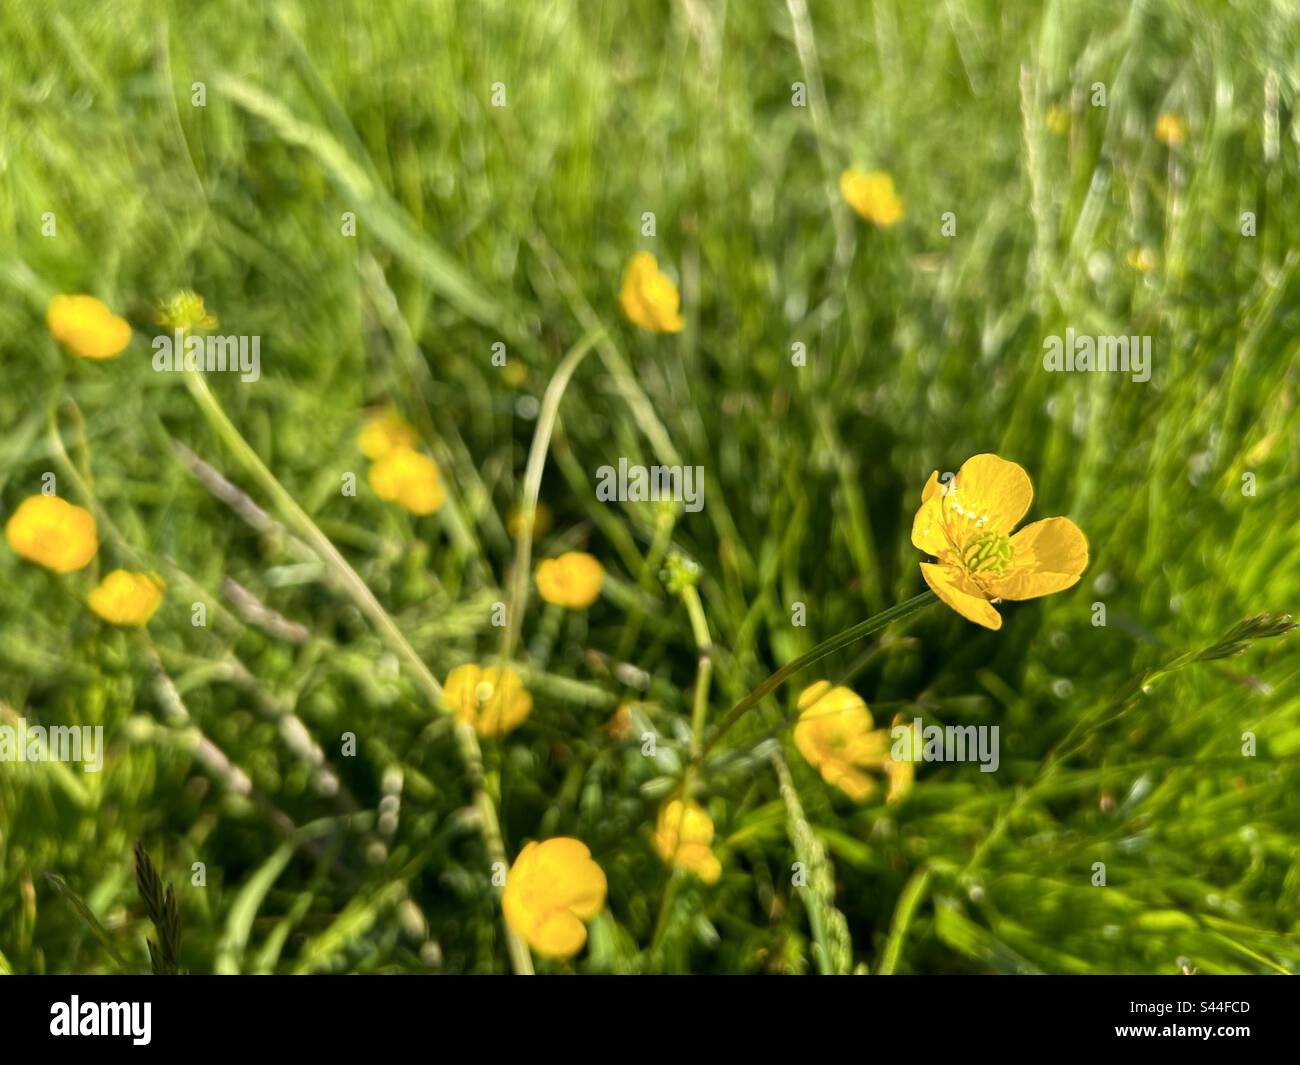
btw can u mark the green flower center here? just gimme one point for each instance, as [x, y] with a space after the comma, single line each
[990, 553]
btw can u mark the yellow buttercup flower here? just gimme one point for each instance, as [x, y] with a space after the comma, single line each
[87, 328]
[837, 735]
[126, 598]
[573, 580]
[1058, 121]
[872, 195]
[494, 701]
[684, 838]
[553, 887]
[53, 533]
[1143, 260]
[542, 521]
[1170, 130]
[649, 297]
[967, 527]
[404, 475]
[385, 432]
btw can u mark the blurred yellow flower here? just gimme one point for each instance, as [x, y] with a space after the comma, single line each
[573, 580]
[872, 195]
[620, 725]
[185, 311]
[684, 838]
[403, 475]
[385, 432]
[52, 533]
[837, 735]
[86, 327]
[553, 887]
[1058, 121]
[1143, 260]
[492, 700]
[541, 521]
[649, 297]
[1170, 129]
[967, 527]
[126, 598]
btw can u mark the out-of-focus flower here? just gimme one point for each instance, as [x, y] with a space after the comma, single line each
[1143, 260]
[967, 527]
[404, 475]
[493, 700]
[541, 521]
[53, 533]
[553, 887]
[1170, 129]
[837, 735]
[649, 297]
[1058, 120]
[385, 432]
[573, 580]
[684, 838]
[87, 328]
[185, 311]
[872, 195]
[126, 598]
[620, 725]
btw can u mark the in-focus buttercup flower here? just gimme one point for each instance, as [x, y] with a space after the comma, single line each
[573, 580]
[126, 598]
[872, 195]
[87, 328]
[649, 297]
[967, 527]
[553, 887]
[837, 735]
[493, 700]
[185, 311]
[404, 475]
[53, 533]
[1170, 129]
[684, 838]
[385, 432]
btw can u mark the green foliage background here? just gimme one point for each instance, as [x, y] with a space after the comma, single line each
[477, 225]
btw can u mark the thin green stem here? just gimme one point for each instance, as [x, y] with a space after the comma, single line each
[827, 647]
[466, 741]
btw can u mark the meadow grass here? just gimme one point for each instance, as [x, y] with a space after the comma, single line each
[476, 225]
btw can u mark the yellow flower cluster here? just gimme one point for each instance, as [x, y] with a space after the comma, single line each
[399, 473]
[872, 195]
[838, 737]
[552, 888]
[86, 327]
[491, 699]
[684, 838]
[62, 537]
[573, 580]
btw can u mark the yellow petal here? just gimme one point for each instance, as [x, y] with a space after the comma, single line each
[856, 784]
[649, 297]
[988, 495]
[946, 582]
[1046, 556]
[559, 935]
[126, 598]
[573, 580]
[927, 527]
[53, 533]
